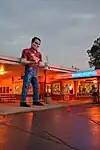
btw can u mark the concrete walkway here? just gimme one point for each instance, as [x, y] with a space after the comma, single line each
[6, 109]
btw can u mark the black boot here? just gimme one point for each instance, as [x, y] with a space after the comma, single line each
[23, 104]
[38, 104]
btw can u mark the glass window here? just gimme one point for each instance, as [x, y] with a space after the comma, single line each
[7, 89]
[85, 87]
[67, 87]
[0, 89]
[4, 90]
[56, 88]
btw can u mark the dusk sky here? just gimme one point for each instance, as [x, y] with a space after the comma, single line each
[67, 28]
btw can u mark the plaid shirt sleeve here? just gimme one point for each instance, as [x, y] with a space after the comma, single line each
[24, 54]
[40, 56]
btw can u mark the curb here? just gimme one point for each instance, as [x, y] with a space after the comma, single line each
[44, 109]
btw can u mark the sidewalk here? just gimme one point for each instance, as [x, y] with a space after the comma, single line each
[6, 109]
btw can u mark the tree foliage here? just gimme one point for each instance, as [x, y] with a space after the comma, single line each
[94, 55]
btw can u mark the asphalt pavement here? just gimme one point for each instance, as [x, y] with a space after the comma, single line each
[53, 129]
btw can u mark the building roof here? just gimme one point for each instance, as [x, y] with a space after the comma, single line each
[16, 61]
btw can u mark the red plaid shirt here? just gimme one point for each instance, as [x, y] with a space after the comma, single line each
[26, 54]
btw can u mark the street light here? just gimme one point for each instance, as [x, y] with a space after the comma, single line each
[76, 69]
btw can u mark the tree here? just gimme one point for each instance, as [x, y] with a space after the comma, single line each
[94, 55]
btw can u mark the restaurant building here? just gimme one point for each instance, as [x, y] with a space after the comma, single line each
[59, 83]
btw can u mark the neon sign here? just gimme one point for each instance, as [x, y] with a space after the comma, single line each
[98, 72]
[84, 74]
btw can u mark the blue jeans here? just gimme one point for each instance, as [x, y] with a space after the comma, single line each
[30, 77]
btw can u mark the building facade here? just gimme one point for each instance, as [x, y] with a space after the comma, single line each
[59, 83]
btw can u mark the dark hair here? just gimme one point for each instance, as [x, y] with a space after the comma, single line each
[35, 38]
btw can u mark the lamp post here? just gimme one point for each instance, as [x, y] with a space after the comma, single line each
[45, 79]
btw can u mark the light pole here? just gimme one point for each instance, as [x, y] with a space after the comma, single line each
[45, 79]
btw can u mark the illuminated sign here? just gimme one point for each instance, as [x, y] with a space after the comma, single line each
[84, 74]
[98, 72]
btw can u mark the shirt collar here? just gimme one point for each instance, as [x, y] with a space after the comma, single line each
[34, 49]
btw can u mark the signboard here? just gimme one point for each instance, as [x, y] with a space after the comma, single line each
[84, 74]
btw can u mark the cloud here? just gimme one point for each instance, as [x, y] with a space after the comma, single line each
[84, 16]
[67, 28]
[19, 40]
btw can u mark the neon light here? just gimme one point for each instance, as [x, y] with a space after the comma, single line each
[2, 71]
[84, 74]
[98, 72]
